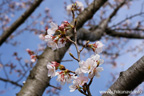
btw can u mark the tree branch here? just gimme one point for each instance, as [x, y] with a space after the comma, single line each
[19, 21]
[130, 17]
[12, 82]
[125, 35]
[96, 32]
[116, 10]
[128, 80]
[38, 80]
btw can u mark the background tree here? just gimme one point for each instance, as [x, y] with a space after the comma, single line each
[111, 25]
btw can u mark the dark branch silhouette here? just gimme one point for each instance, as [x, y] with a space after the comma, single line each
[9, 81]
[19, 21]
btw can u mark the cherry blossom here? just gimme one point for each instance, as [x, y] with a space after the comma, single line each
[74, 86]
[42, 36]
[33, 58]
[53, 28]
[68, 8]
[79, 4]
[96, 59]
[88, 66]
[78, 71]
[52, 44]
[95, 72]
[98, 47]
[52, 69]
[57, 41]
[64, 77]
[61, 42]
[79, 81]
[31, 53]
[48, 38]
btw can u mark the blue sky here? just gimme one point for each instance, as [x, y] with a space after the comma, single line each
[29, 40]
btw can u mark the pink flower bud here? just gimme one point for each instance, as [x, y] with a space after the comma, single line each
[30, 52]
[66, 22]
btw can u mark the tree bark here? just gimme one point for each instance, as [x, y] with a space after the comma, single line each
[38, 80]
[19, 21]
[128, 80]
[124, 34]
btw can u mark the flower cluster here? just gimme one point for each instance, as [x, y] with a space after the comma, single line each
[78, 82]
[32, 55]
[82, 77]
[90, 67]
[77, 6]
[64, 75]
[57, 41]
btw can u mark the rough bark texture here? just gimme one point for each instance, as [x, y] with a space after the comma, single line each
[128, 80]
[38, 80]
[19, 21]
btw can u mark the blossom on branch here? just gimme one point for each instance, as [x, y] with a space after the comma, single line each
[95, 72]
[56, 41]
[52, 67]
[31, 53]
[79, 6]
[33, 58]
[97, 47]
[51, 71]
[64, 77]
[79, 81]
[42, 36]
[97, 60]
[74, 86]
[61, 42]
[53, 28]
[88, 66]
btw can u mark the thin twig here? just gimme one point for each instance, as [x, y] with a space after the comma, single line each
[71, 71]
[128, 18]
[73, 57]
[75, 36]
[21, 65]
[90, 81]
[55, 87]
[84, 46]
[4, 68]
[66, 60]
[24, 75]
[82, 92]
[88, 91]
[12, 82]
